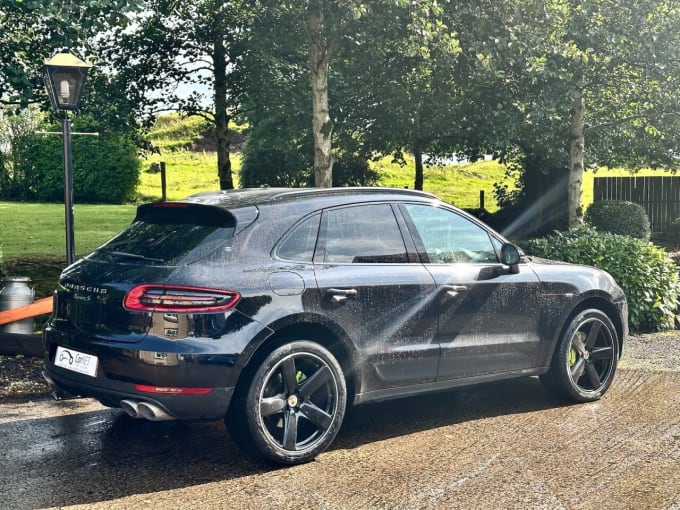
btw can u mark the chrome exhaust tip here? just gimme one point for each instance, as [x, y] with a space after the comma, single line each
[131, 408]
[152, 412]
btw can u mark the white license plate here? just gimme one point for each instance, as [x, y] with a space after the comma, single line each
[76, 361]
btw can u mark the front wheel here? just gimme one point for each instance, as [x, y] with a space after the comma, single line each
[585, 358]
[295, 403]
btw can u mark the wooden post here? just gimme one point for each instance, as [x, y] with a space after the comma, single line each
[164, 187]
[481, 199]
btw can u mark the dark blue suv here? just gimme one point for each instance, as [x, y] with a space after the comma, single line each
[277, 308]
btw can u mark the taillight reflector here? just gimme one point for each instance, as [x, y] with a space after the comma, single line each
[172, 390]
[179, 299]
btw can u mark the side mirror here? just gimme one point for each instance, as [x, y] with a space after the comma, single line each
[510, 257]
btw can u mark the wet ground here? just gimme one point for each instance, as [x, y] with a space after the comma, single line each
[502, 445]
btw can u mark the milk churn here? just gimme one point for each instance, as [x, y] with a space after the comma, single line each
[15, 292]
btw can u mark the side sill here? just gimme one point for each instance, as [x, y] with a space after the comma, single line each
[409, 391]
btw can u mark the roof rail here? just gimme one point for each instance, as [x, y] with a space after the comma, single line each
[353, 190]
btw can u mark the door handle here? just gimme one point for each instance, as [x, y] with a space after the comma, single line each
[455, 290]
[340, 295]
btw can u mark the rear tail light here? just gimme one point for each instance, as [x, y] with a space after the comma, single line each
[179, 299]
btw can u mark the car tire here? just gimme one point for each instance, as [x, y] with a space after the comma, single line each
[293, 406]
[585, 358]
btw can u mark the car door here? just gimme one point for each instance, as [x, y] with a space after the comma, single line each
[488, 317]
[378, 292]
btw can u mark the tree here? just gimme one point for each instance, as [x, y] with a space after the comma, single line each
[620, 60]
[563, 71]
[334, 33]
[325, 23]
[34, 29]
[406, 84]
[179, 46]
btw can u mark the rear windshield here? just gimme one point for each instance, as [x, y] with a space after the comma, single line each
[172, 235]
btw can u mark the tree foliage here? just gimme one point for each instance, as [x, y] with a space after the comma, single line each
[176, 51]
[33, 30]
[580, 84]
[406, 81]
[347, 51]
[553, 87]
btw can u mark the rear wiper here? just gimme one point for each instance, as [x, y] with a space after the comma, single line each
[126, 255]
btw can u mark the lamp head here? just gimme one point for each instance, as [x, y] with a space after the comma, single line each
[64, 76]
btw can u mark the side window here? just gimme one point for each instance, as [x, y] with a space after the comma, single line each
[300, 242]
[450, 238]
[365, 234]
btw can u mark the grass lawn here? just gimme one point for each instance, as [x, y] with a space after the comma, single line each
[32, 237]
[186, 173]
[38, 229]
[457, 184]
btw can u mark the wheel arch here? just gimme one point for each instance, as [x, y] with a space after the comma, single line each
[324, 334]
[606, 307]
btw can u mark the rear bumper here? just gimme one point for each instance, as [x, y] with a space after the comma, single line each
[213, 405]
[159, 372]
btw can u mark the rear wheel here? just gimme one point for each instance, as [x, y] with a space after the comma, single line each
[293, 406]
[585, 359]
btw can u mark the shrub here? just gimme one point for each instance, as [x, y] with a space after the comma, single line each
[353, 170]
[266, 165]
[105, 169]
[291, 164]
[645, 272]
[619, 217]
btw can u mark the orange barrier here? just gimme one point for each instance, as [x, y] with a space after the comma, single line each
[40, 307]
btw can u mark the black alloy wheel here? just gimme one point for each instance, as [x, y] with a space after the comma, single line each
[296, 403]
[585, 360]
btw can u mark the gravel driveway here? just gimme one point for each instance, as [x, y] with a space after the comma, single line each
[654, 351]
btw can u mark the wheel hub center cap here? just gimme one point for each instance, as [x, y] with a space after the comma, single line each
[586, 355]
[293, 400]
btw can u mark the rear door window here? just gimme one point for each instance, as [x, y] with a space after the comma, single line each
[362, 234]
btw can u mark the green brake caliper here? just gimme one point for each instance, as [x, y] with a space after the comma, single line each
[300, 376]
[573, 356]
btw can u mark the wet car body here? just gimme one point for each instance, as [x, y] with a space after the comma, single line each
[251, 272]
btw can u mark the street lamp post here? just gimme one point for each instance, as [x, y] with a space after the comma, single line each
[64, 76]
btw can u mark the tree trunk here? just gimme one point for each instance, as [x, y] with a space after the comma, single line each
[221, 116]
[418, 156]
[319, 64]
[418, 153]
[576, 156]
